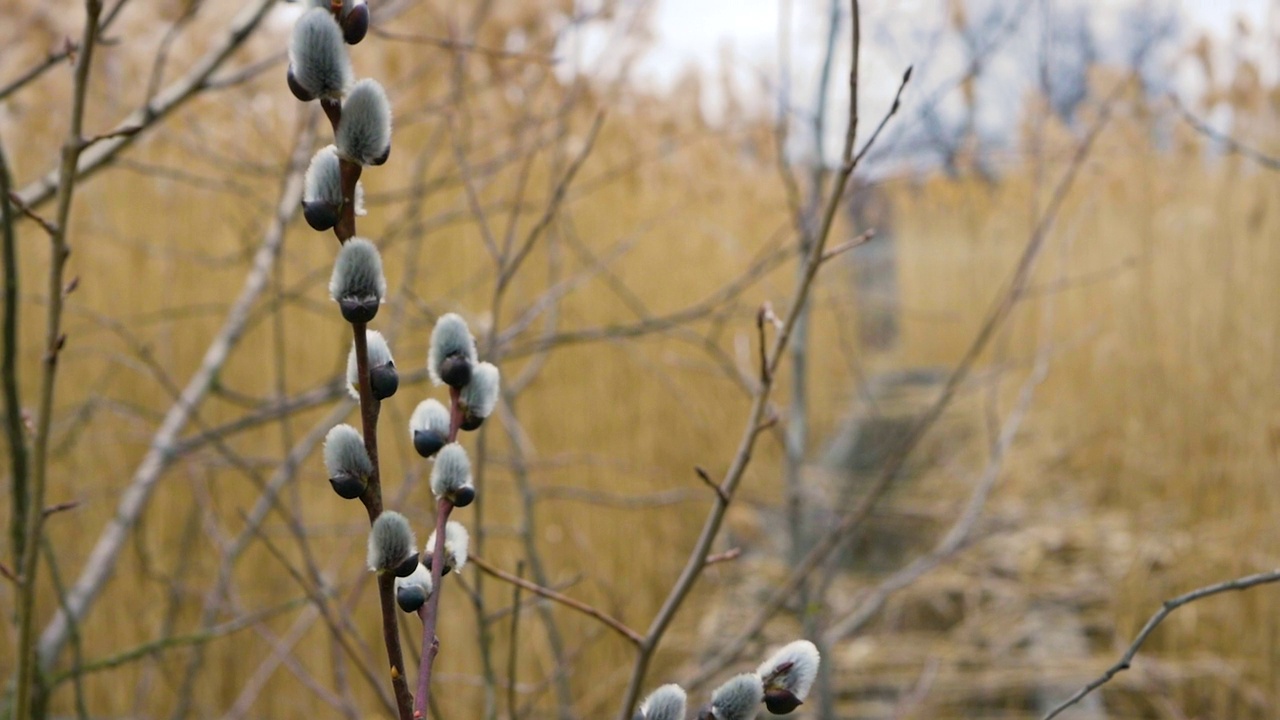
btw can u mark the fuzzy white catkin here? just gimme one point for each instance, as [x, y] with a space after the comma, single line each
[364, 133]
[480, 395]
[420, 578]
[739, 698]
[450, 336]
[390, 541]
[793, 667]
[344, 452]
[665, 703]
[456, 542]
[379, 354]
[318, 54]
[452, 471]
[323, 181]
[357, 272]
[429, 415]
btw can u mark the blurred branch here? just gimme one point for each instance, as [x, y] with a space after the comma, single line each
[1230, 144]
[612, 623]
[1243, 583]
[157, 107]
[102, 558]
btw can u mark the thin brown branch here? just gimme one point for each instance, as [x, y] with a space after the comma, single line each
[1230, 144]
[460, 46]
[25, 209]
[1166, 609]
[706, 480]
[54, 340]
[726, 556]
[61, 507]
[612, 623]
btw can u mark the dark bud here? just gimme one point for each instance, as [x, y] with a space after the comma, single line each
[428, 442]
[410, 598]
[781, 701]
[382, 159]
[428, 561]
[297, 89]
[706, 714]
[464, 496]
[456, 371]
[355, 23]
[406, 568]
[384, 380]
[471, 422]
[359, 310]
[348, 486]
[320, 215]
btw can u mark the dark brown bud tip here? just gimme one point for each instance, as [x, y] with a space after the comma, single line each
[348, 487]
[463, 496]
[471, 422]
[359, 310]
[706, 714]
[382, 159]
[428, 442]
[320, 215]
[406, 568]
[781, 702]
[427, 562]
[297, 89]
[455, 371]
[355, 23]
[410, 598]
[384, 381]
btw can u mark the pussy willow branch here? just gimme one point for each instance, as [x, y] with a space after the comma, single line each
[733, 476]
[53, 342]
[1166, 609]
[430, 613]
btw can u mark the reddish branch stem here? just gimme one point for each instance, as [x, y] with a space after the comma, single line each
[430, 613]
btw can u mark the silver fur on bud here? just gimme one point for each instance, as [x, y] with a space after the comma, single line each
[792, 668]
[391, 542]
[344, 453]
[358, 284]
[323, 181]
[449, 337]
[480, 395]
[451, 476]
[738, 699]
[665, 703]
[364, 133]
[412, 591]
[379, 355]
[456, 542]
[429, 415]
[318, 55]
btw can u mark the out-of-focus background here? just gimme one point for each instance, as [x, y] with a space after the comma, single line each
[1112, 440]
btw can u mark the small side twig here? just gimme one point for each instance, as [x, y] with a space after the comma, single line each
[1243, 583]
[612, 623]
[719, 491]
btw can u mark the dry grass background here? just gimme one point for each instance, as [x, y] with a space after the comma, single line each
[1148, 466]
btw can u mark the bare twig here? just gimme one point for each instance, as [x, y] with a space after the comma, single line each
[1243, 583]
[1230, 144]
[733, 476]
[612, 623]
[133, 502]
[53, 343]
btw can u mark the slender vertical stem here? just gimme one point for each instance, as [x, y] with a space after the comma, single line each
[14, 427]
[372, 500]
[430, 613]
[54, 340]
